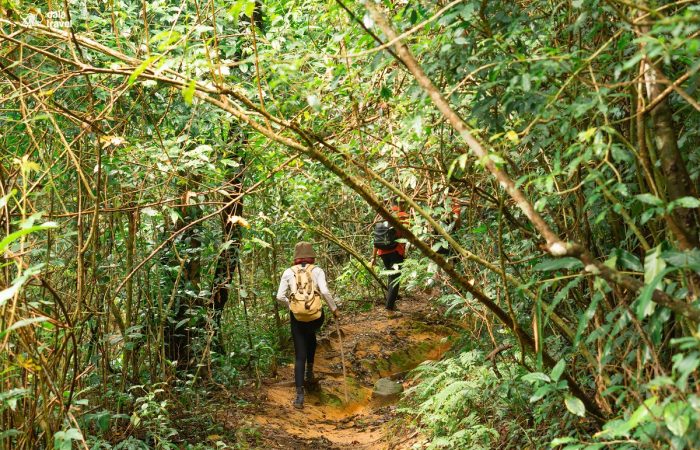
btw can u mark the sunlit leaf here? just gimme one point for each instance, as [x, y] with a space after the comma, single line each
[575, 406]
[141, 68]
[188, 92]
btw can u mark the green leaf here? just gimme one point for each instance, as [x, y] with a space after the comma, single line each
[63, 440]
[480, 229]
[567, 262]
[536, 376]
[541, 392]
[649, 199]
[644, 306]
[513, 137]
[618, 428]
[614, 428]
[654, 272]
[641, 414]
[497, 159]
[676, 420]
[12, 432]
[181, 323]
[684, 367]
[260, 242]
[629, 261]
[174, 216]
[558, 370]
[249, 9]
[8, 293]
[653, 265]
[235, 11]
[10, 397]
[188, 92]
[167, 37]
[23, 323]
[23, 232]
[269, 231]
[659, 382]
[575, 406]
[688, 258]
[561, 295]
[141, 68]
[460, 161]
[562, 441]
[586, 317]
[647, 215]
[684, 202]
[102, 419]
[4, 199]
[585, 136]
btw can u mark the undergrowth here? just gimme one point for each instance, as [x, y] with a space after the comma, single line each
[460, 402]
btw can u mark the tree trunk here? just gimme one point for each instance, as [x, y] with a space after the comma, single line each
[683, 222]
[229, 259]
[179, 331]
[678, 183]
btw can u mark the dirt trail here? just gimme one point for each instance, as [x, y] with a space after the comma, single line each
[375, 346]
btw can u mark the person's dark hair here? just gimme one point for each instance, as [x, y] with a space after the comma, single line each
[304, 261]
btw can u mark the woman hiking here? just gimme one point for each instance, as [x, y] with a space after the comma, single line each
[307, 283]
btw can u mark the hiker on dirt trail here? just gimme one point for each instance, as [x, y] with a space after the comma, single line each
[392, 253]
[307, 283]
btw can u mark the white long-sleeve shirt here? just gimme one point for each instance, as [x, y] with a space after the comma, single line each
[289, 282]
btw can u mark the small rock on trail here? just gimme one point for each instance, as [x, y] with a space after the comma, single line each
[387, 388]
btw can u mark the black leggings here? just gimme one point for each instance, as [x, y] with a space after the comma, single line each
[390, 259]
[304, 336]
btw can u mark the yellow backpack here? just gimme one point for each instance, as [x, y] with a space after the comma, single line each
[305, 302]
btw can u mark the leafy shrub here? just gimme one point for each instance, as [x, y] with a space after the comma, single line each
[667, 414]
[460, 402]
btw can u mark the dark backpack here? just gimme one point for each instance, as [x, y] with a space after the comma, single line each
[384, 236]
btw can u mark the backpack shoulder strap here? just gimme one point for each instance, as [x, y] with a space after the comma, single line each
[296, 271]
[311, 277]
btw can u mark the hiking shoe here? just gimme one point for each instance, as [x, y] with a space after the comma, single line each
[299, 401]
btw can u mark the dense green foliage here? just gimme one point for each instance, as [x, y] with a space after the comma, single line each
[159, 161]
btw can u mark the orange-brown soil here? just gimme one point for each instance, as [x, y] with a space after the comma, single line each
[374, 346]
